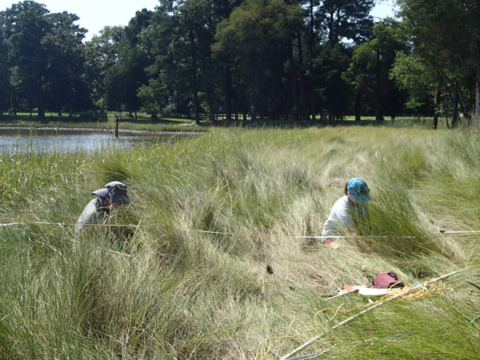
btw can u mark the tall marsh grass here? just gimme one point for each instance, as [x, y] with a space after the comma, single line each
[216, 256]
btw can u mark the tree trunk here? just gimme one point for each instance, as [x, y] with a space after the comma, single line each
[70, 114]
[312, 32]
[453, 121]
[59, 113]
[465, 113]
[259, 71]
[477, 82]
[14, 107]
[310, 61]
[228, 92]
[477, 63]
[136, 116]
[358, 106]
[237, 95]
[378, 109]
[41, 111]
[236, 106]
[293, 77]
[447, 92]
[210, 108]
[41, 105]
[437, 103]
[194, 66]
[302, 77]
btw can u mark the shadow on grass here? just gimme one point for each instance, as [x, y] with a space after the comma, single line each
[182, 120]
[400, 122]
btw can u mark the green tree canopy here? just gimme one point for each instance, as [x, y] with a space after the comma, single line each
[26, 25]
[252, 32]
[446, 35]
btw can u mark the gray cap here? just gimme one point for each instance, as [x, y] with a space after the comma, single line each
[114, 191]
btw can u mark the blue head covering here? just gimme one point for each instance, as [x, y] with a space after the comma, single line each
[359, 189]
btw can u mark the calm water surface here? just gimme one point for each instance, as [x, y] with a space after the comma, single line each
[21, 140]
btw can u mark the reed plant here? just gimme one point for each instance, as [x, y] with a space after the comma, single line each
[216, 253]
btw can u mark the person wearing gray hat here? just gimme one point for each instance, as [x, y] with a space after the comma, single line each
[110, 197]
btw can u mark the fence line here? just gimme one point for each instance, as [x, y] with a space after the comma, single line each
[62, 224]
[444, 233]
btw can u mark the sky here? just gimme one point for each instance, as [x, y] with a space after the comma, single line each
[96, 14]
[383, 9]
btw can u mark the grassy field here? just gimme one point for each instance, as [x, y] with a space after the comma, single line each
[126, 123]
[189, 279]
[181, 123]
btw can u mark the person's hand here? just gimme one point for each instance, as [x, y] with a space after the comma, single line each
[332, 244]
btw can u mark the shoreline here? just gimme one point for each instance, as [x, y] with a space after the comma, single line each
[55, 128]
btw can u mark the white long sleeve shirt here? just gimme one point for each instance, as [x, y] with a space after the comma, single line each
[341, 217]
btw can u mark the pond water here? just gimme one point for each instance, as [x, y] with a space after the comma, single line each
[16, 140]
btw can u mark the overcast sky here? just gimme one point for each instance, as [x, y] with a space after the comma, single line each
[96, 14]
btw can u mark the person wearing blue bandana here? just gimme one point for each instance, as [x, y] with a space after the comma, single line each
[347, 211]
[110, 197]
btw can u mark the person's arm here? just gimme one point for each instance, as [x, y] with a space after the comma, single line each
[90, 215]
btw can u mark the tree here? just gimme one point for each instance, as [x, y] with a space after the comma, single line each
[412, 73]
[167, 75]
[26, 25]
[253, 31]
[4, 72]
[195, 25]
[45, 58]
[124, 78]
[137, 24]
[372, 62]
[446, 34]
[348, 19]
[114, 94]
[100, 54]
[65, 73]
[154, 96]
[335, 92]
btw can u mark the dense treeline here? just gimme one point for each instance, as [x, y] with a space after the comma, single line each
[316, 59]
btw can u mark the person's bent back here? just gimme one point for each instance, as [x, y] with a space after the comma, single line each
[111, 196]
